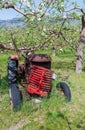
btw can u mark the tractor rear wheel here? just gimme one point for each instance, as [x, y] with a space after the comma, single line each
[15, 96]
[64, 89]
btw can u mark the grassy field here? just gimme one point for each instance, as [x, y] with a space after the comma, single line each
[52, 113]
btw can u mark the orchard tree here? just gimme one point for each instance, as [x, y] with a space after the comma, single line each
[54, 10]
[80, 45]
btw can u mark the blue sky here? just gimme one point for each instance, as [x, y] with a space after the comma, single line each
[10, 13]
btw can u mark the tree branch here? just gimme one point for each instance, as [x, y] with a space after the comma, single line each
[64, 38]
[76, 8]
[7, 6]
[14, 43]
[5, 47]
[26, 50]
[47, 8]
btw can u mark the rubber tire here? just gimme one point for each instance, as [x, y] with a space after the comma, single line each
[65, 88]
[15, 96]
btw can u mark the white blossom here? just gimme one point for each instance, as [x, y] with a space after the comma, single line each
[61, 49]
[43, 34]
[22, 1]
[42, 4]
[44, 29]
[39, 19]
[32, 18]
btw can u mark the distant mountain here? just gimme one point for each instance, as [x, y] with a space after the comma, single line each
[19, 22]
[12, 23]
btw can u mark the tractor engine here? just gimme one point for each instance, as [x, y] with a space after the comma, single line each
[38, 74]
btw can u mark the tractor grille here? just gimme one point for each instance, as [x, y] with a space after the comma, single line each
[39, 81]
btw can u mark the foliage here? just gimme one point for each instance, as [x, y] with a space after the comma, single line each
[27, 37]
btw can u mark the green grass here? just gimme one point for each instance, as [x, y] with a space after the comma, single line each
[52, 113]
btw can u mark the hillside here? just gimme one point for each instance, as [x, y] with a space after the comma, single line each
[19, 22]
[13, 22]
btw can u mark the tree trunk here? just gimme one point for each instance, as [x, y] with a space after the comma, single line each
[79, 60]
[53, 51]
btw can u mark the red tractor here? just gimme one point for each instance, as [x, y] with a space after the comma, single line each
[36, 75]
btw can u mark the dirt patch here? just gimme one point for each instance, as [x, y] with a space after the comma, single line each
[24, 122]
[19, 124]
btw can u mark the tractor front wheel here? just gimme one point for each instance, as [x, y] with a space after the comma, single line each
[64, 89]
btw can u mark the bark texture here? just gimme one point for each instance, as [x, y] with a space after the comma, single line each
[79, 60]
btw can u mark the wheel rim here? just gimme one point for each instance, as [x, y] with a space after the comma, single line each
[10, 96]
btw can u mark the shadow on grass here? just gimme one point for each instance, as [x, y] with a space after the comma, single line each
[3, 85]
[59, 118]
[61, 115]
[81, 124]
